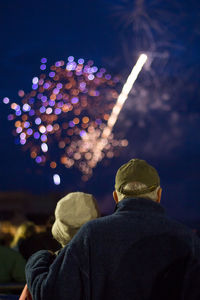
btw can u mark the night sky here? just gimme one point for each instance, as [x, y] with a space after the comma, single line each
[161, 117]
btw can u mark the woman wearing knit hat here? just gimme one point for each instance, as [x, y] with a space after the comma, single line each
[72, 211]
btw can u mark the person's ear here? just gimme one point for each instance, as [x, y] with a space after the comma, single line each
[115, 197]
[159, 193]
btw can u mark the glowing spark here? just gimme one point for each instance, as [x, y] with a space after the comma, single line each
[124, 94]
[56, 179]
[102, 142]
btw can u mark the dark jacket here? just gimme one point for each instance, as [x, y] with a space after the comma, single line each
[123, 256]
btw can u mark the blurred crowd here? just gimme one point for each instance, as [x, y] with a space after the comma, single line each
[17, 243]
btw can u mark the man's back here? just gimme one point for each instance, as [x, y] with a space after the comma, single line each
[129, 250]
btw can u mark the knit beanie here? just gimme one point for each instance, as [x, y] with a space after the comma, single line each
[72, 211]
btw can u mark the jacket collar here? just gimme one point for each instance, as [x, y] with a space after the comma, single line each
[139, 204]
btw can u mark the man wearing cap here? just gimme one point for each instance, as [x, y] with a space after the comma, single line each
[135, 253]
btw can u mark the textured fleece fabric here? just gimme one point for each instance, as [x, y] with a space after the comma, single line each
[127, 255]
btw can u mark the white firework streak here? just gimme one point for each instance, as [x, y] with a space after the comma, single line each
[97, 144]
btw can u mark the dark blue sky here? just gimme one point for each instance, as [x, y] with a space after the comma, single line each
[161, 116]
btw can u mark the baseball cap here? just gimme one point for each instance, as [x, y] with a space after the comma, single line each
[137, 170]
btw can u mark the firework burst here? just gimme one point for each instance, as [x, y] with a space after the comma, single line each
[68, 103]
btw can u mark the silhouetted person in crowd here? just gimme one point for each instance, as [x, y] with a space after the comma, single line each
[5, 239]
[12, 266]
[24, 231]
[127, 255]
[38, 241]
